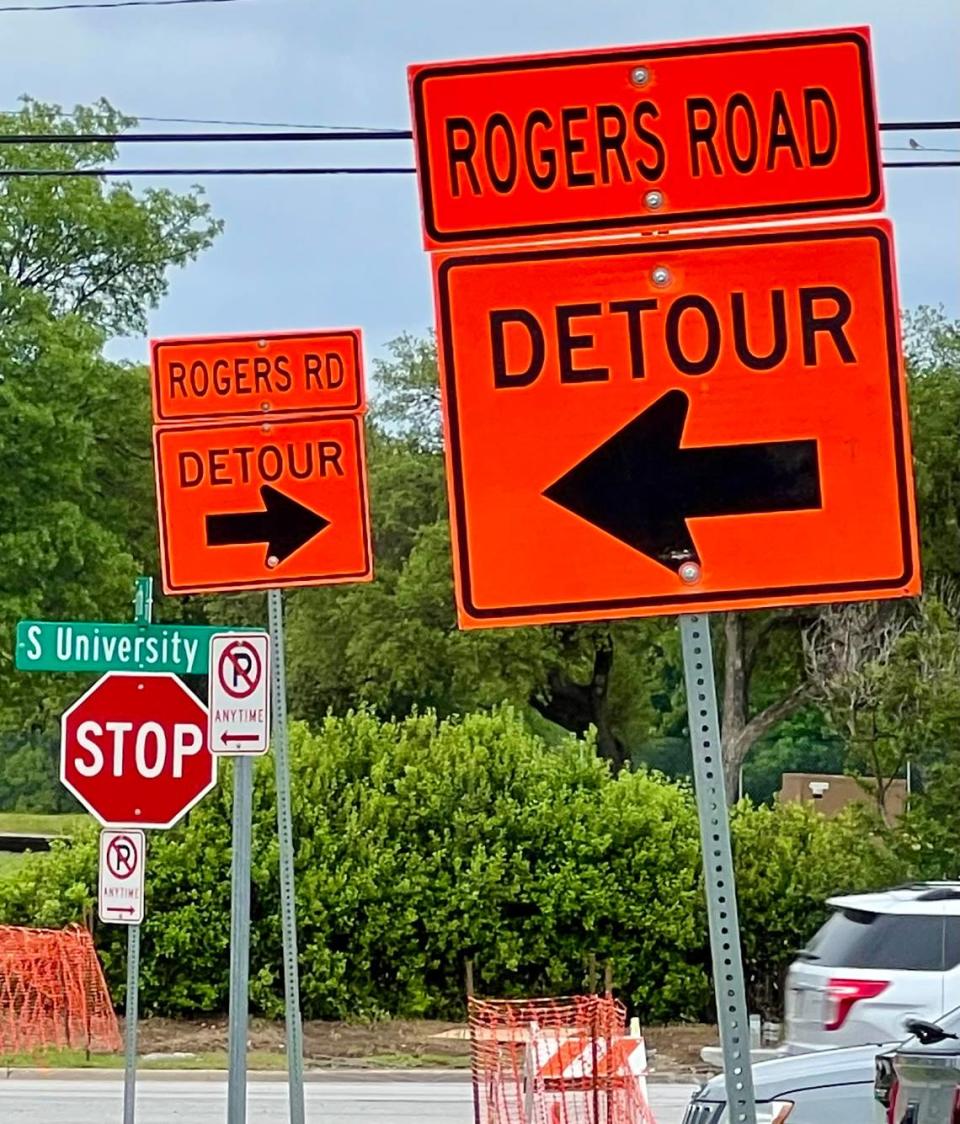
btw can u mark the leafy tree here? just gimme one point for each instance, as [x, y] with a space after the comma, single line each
[78, 261]
[64, 554]
[750, 709]
[30, 775]
[932, 347]
[100, 251]
[803, 743]
[888, 676]
[763, 682]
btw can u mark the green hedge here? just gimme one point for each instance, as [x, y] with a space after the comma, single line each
[420, 843]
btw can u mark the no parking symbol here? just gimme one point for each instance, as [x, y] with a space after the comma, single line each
[239, 693]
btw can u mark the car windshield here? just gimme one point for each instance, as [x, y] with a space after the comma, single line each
[854, 938]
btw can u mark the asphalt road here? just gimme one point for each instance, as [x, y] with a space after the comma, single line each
[24, 1101]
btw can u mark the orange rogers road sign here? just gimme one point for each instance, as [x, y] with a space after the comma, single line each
[247, 505]
[253, 375]
[646, 136]
[676, 425]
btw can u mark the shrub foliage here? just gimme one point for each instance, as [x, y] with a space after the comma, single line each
[423, 842]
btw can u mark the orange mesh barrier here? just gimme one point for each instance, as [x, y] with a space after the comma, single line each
[52, 991]
[556, 1061]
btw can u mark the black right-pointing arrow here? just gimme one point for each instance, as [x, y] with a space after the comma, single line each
[641, 487]
[284, 525]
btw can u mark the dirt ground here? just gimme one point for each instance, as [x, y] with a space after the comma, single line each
[676, 1049]
[395, 1043]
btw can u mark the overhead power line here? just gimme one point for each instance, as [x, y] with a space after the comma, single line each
[207, 138]
[6, 173]
[324, 133]
[913, 126]
[921, 164]
[78, 7]
[885, 126]
[138, 117]
[259, 124]
[68, 173]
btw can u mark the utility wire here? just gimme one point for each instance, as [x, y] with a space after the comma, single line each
[6, 173]
[328, 134]
[913, 126]
[921, 163]
[107, 4]
[260, 124]
[885, 126]
[48, 173]
[192, 138]
[222, 121]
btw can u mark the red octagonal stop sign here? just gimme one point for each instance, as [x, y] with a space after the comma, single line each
[134, 750]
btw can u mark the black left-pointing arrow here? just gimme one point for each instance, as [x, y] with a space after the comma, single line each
[641, 486]
[284, 525]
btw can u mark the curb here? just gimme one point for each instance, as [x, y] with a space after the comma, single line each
[310, 1077]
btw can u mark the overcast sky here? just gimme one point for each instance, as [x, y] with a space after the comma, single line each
[300, 252]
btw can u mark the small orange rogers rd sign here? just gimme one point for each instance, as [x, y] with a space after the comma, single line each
[254, 375]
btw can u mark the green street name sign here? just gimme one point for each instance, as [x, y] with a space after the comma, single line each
[99, 646]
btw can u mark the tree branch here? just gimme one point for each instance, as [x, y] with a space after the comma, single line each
[765, 721]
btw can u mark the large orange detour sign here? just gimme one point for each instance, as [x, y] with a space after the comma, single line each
[676, 424]
[646, 136]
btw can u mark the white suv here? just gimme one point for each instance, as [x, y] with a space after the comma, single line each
[879, 959]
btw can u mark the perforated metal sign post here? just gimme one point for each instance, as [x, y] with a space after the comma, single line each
[288, 909]
[718, 873]
[239, 939]
[120, 900]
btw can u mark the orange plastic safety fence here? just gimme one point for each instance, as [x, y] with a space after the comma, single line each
[52, 991]
[555, 1061]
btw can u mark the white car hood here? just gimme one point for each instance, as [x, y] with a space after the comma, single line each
[805, 1071]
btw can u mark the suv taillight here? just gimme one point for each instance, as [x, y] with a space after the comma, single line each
[955, 1115]
[842, 994]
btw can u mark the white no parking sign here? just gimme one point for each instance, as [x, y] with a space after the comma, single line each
[120, 894]
[239, 693]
